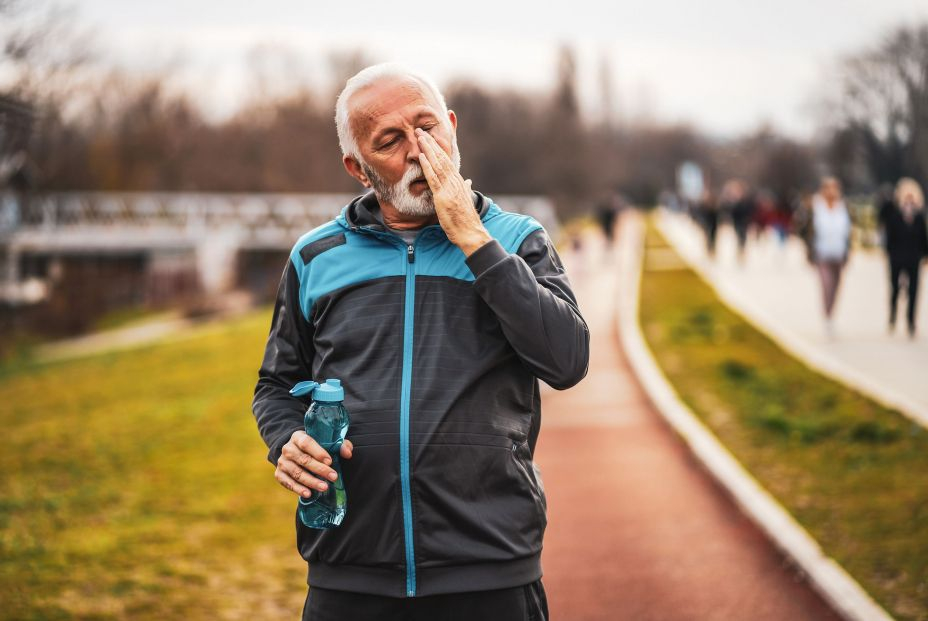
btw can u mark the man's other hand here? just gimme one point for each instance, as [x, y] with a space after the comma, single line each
[305, 466]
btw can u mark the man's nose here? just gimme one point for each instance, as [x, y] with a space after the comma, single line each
[412, 154]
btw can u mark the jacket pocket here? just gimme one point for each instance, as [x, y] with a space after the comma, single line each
[475, 503]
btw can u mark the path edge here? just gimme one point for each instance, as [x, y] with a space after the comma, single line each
[826, 576]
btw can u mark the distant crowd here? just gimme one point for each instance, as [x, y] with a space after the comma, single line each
[824, 222]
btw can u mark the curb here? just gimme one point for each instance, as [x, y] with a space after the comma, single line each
[822, 363]
[827, 577]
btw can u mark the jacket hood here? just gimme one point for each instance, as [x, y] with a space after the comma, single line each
[360, 211]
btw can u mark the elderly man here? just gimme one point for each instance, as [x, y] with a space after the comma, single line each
[439, 312]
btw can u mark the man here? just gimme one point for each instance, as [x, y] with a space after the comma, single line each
[439, 312]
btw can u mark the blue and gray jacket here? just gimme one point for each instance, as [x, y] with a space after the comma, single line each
[440, 358]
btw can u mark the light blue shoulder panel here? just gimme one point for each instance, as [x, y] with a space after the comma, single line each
[362, 257]
[436, 257]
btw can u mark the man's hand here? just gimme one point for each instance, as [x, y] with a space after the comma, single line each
[303, 464]
[454, 201]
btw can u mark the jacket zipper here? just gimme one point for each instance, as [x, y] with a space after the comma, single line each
[404, 417]
[405, 398]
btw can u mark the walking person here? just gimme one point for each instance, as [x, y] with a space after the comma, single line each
[708, 210]
[905, 239]
[825, 227]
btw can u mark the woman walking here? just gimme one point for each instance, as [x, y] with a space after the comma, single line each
[826, 230]
[906, 242]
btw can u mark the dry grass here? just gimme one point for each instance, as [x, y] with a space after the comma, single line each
[135, 485]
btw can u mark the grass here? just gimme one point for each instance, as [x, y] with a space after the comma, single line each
[135, 485]
[852, 472]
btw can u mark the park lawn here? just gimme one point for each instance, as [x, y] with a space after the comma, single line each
[853, 473]
[135, 485]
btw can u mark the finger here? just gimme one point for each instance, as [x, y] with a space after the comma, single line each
[430, 177]
[306, 444]
[308, 462]
[433, 152]
[286, 481]
[301, 476]
[347, 449]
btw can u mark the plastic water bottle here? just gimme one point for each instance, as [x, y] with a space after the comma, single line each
[326, 422]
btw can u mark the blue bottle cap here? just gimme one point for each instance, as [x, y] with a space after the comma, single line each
[303, 388]
[330, 391]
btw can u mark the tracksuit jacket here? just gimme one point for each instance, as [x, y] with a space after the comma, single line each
[440, 358]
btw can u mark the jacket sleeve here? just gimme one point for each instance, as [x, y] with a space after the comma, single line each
[531, 296]
[287, 360]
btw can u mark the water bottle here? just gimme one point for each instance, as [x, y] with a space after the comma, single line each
[326, 422]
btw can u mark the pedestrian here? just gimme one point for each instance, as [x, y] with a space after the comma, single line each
[738, 204]
[905, 239]
[825, 227]
[440, 312]
[708, 210]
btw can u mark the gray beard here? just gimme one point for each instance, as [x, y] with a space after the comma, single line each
[399, 195]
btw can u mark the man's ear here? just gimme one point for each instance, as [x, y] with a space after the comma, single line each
[354, 169]
[453, 119]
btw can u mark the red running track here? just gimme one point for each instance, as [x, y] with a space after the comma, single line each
[637, 529]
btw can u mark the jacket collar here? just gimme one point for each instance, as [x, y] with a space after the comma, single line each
[360, 211]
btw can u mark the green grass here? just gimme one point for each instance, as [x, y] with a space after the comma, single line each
[853, 473]
[135, 485]
[123, 317]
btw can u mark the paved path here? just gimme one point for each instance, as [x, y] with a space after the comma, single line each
[637, 530]
[777, 289]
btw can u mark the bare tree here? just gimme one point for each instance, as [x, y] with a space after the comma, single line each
[883, 108]
[43, 51]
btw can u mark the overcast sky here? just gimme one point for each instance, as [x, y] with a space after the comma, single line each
[724, 65]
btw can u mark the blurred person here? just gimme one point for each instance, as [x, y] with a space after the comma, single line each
[905, 239]
[782, 220]
[606, 214]
[825, 227]
[735, 204]
[765, 213]
[440, 312]
[708, 213]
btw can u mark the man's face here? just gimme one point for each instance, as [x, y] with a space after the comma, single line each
[384, 118]
[831, 190]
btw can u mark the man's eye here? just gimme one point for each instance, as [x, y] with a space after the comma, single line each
[388, 144]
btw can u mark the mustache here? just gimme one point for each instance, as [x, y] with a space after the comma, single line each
[412, 173]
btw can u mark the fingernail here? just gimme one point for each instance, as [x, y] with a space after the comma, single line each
[333, 475]
[327, 461]
[323, 486]
[306, 493]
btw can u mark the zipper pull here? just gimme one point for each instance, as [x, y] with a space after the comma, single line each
[410, 253]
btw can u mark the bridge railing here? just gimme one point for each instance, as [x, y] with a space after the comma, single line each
[254, 216]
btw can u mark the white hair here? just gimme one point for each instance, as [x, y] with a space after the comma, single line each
[365, 78]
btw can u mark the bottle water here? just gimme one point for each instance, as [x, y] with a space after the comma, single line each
[326, 422]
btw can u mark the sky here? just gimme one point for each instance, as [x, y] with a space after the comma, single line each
[724, 66]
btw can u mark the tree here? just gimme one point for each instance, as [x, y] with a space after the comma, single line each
[883, 108]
